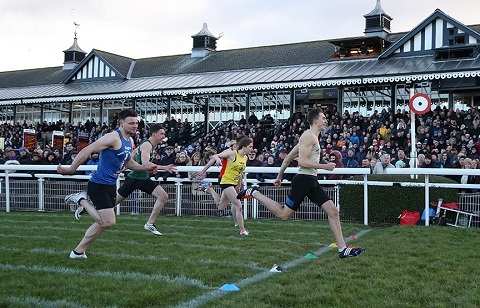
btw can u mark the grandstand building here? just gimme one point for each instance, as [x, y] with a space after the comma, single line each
[439, 57]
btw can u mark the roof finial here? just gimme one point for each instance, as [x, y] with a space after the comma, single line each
[76, 27]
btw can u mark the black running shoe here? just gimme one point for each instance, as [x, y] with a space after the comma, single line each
[350, 252]
[246, 193]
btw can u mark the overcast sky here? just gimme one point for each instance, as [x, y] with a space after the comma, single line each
[33, 34]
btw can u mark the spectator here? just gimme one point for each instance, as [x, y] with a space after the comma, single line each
[252, 161]
[281, 156]
[182, 160]
[420, 160]
[93, 161]
[361, 154]
[252, 119]
[335, 157]
[242, 121]
[167, 159]
[365, 163]
[350, 161]
[399, 164]
[24, 157]
[373, 163]
[383, 164]
[51, 159]
[269, 163]
[36, 160]
[67, 153]
[196, 160]
[469, 179]
[401, 157]
[10, 154]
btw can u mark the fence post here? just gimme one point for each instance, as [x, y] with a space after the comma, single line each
[41, 192]
[427, 200]
[7, 192]
[365, 200]
[178, 203]
[117, 207]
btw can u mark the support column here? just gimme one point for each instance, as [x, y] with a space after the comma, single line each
[15, 114]
[42, 113]
[205, 113]
[101, 111]
[247, 106]
[169, 108]
[292, 102]
[70, 113]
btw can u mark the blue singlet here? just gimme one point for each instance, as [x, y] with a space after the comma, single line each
[111, 162]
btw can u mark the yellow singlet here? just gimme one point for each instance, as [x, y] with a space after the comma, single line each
[234, 169]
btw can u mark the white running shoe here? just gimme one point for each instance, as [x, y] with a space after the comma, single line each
[277, 269]
[79, 212]
[152, 228]
[75, 198]
[244, 232]
[73, 255]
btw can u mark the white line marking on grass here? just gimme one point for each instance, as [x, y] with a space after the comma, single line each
[121, 228]
[251, 265]
[116, 275]
[203, 299]
[37, 302]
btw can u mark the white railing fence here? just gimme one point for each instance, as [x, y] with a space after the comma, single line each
[45, 191]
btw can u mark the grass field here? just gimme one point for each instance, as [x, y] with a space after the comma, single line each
[129, 267]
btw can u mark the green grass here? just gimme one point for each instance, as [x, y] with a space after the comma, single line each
[129, 267]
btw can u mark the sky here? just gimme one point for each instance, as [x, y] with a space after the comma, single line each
[34, 33]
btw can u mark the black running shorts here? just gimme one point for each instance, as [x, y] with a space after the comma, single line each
[305, 186]
[102, 195]
[129, 185]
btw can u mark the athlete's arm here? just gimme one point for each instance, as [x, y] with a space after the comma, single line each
[146, 165]
[105, 142]
[307, 141]
[291, 156]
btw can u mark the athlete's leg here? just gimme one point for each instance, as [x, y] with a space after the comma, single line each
[161, 197]
[281, 212]
[231, 195]
[233, 209]
[334, 222]
[107, 218]
[91, 210]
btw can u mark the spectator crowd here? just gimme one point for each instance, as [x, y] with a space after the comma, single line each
[444, 138]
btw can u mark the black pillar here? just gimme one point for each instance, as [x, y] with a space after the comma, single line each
[205, 113]
[101, 112]
[169, 108]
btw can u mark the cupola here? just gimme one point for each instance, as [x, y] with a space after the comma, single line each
[377, 22]
[203, 43]
[74, 54]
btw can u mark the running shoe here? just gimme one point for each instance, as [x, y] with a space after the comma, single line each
[244, 232]
[152, 228]
[76, 197]
[204, 186]
[277, 269]
[350, 252]
[79, 212]
[246, 193]
[73, 255]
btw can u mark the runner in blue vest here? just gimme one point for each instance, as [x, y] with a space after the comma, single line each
[115, 154]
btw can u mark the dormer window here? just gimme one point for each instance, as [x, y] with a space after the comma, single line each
[455, 53]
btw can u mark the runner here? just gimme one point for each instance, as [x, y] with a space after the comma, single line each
[231, 181]
[115, 154]
[305, 184]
